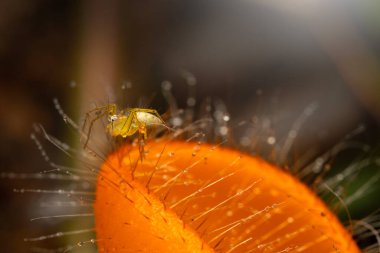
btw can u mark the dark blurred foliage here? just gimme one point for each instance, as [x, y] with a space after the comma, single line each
[235, 49]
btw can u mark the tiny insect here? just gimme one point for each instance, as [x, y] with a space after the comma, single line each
[125, 122]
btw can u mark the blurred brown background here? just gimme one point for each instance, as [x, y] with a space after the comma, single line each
[262, 58]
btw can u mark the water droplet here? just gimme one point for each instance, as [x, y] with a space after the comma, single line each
[240, 205]
[260, 246]
[223, 130]
[73, 84]
[176, 121]
[166, 85]
[191, 101]
[271, 140]
[126, 85]
[197, 147]
[123, 187]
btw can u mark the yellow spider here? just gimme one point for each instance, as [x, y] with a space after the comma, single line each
[125, 122]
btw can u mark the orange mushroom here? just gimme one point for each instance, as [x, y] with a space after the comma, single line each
[192, 197]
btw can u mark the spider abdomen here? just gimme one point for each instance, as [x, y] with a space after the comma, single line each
[148, 118]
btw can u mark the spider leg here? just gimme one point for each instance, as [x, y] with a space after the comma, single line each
[110, 108]
[142, 137]
[141, 149]
[90, 127]
[127, 124]
[145, 134]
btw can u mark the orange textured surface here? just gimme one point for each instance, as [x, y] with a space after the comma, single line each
[189, 197]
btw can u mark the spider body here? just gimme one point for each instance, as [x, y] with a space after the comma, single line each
[133, 120]
[125, 122]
